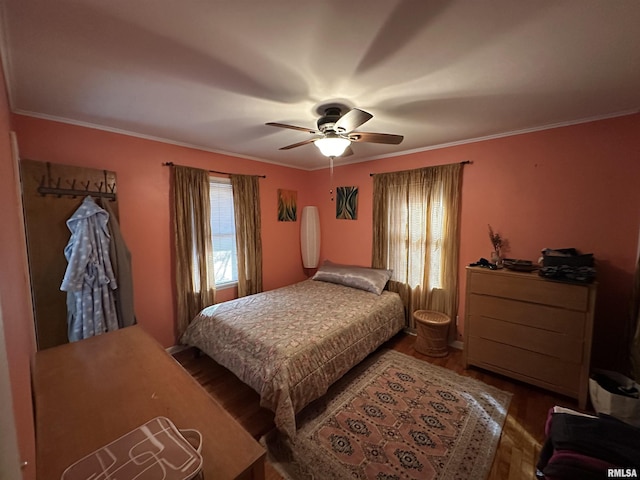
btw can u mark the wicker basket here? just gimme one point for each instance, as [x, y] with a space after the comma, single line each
[433, 329]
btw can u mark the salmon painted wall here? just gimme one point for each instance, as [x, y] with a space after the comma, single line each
[15, 297]
[143, 194]
[574, 186]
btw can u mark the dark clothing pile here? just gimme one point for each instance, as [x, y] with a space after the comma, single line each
[569, 273]
[587, 447]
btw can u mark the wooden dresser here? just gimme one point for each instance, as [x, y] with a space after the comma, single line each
[531, 329]
[89, 393]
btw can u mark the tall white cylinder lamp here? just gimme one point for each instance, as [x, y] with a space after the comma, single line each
[310, 237]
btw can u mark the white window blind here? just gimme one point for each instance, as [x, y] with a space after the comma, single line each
[223, 231]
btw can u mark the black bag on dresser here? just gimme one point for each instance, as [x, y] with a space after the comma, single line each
[567, 264]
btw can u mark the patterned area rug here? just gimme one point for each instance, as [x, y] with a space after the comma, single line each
[395, 417]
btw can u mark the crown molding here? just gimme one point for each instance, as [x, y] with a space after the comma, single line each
[366, 159]
[491, 137]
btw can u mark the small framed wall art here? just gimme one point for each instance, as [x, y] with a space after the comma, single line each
[287, 205]
[347, 203]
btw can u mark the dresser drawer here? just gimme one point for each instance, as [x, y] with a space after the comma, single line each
[526, 365]
[530, 288]
[553, 319]
[545, 342]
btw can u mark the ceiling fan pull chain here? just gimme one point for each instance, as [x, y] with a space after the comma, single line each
[331, 177]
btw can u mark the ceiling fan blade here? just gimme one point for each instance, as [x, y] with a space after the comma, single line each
[376, 138]
[292, 127]
[352, 120]
[299, 144]
[347, 152]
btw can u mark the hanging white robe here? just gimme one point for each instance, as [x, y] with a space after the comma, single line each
[89, 280]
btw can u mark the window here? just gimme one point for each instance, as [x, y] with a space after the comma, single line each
[416, 226]
[223, 232]
[415, 240]
[416, 215]
[436, 239]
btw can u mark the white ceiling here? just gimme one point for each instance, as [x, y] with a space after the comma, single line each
[211, 73]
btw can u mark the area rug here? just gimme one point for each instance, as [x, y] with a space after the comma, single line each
[395, 417]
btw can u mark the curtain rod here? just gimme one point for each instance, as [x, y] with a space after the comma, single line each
[465, 162]
[171, 164]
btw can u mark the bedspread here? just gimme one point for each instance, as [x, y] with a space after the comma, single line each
[292, 343]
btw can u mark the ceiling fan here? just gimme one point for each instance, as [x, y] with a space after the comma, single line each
[336, 132]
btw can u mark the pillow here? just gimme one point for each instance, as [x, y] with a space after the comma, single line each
[368, 279]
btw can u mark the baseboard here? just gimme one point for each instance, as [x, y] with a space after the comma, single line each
[454, 344]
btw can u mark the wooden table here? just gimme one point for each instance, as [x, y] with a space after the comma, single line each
[89, 393]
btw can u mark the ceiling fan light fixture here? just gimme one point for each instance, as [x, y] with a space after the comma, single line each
[332, 146]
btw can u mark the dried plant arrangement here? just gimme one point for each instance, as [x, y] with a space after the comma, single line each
[496, 240]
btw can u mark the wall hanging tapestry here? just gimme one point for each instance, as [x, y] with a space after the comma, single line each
[395, 416]
[287, 205]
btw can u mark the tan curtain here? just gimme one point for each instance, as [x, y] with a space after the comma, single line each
[195, 281]
[416, 218]
[246, 204]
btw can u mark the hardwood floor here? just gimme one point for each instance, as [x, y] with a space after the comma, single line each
[522, 434]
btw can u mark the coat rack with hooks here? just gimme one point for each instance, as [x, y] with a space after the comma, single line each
[49, 187]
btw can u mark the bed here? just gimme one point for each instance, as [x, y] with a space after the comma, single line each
[292, 343]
